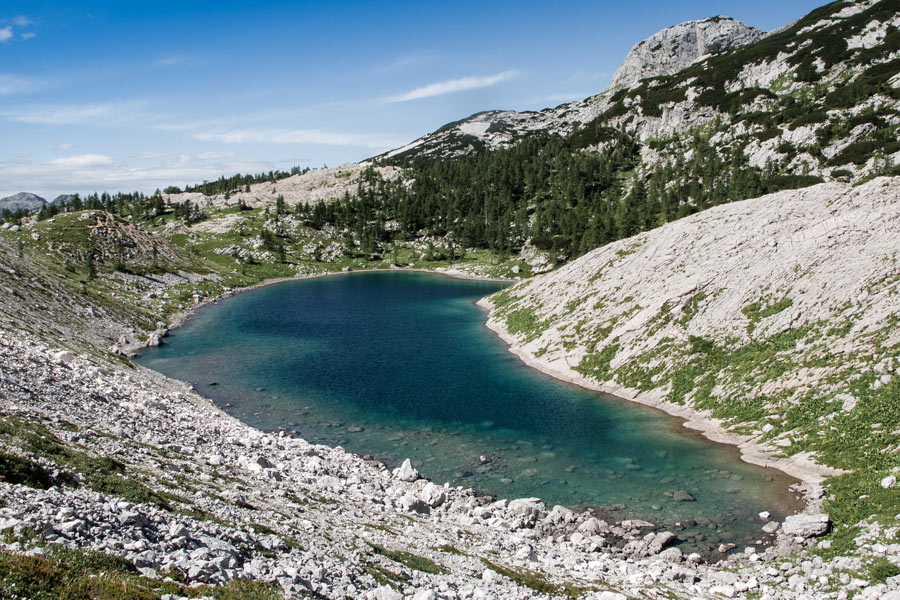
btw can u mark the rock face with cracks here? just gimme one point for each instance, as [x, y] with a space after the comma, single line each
[675, 48]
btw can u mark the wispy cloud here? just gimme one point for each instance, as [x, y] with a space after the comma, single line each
[110, 113]
[297, 136]
[22, 21]
[10, 83]
[406, 61]
[452, 86]
[6, 33]
[90, 172]
[82, 161]
[169, 61]
[214, 155]
[28, 35]
[64, 145]
[150, 155]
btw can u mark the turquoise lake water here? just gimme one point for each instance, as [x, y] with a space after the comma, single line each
[398, 365]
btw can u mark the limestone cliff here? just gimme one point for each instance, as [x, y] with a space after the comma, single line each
[674, 48]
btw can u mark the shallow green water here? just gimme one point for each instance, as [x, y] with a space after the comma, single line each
[401, 365]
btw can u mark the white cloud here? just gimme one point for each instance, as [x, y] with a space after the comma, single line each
[112, 113]
[297, 136]
[82, 161]
[150, 155]
[214, 155]
[10, 83]
[95, 172]
[452, 86]
[22, 21]
[64, 145]
[6, 33]
[28, 35]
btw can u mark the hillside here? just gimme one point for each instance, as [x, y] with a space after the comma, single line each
[774, 316]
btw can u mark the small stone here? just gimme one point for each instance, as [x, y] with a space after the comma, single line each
[889, 482]
[771, 527]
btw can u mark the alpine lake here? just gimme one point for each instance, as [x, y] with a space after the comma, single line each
[400, 365]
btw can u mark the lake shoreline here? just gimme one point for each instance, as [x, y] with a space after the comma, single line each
[806, 478]
[800, 467]
[178, 319]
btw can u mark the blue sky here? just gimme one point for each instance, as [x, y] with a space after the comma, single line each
[135, 96]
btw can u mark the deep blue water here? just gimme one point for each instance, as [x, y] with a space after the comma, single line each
[400, 365]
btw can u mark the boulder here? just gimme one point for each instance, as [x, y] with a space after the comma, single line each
[806, 526]
[526, 552]
[671, 555]
[386, 592]
[526, 507]
[661, 541]
[63, 357]
[410, 503]
[433, 495]
[406, 472]
[593, 526]
[561, 514]
[889, 482]
[637, 524]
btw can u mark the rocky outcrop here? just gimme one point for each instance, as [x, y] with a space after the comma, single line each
[674, 48]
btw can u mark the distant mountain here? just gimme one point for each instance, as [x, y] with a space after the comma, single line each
[62, 199]
[22, 201]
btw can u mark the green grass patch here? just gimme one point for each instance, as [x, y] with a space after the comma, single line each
[22, 471]
[597, 364]
[762, 309]
[409, 560]
[536, 581]
[102, 474]
[83, 575]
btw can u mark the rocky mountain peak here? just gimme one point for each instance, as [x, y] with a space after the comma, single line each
[674, 48]
[22, 201]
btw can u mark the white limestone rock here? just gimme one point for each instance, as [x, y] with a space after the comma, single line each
[806, 525]
[674, 48]
[406, 472]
